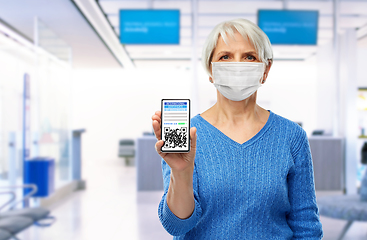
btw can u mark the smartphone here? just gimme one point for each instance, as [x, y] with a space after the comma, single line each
[175, 125]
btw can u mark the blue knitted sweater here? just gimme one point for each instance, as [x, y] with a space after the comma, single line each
[261, 189]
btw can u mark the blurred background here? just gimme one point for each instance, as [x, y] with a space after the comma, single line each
[80, 80]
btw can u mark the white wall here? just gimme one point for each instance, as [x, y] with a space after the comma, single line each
[290, 91]
[361, 67]
[116, 104]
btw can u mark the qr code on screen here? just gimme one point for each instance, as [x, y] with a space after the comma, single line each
[175, 137]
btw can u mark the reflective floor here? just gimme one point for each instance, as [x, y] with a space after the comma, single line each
[111, 209]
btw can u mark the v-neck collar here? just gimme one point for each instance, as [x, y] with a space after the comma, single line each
[233, 142]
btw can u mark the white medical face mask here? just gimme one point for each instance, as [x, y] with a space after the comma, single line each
[237, 80]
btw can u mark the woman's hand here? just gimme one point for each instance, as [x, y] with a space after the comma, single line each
[179, 162]
[180, 195]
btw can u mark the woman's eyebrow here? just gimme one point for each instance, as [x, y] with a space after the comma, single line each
[251, 52]
[223, 52]
[227, 52]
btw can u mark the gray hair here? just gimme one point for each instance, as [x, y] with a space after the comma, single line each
[248, 30]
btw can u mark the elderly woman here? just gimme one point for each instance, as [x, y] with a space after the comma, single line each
[249, 173]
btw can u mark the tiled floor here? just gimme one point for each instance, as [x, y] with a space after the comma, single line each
[111, 209]
[108, 209]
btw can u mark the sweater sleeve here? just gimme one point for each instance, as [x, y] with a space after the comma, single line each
[174, 225]
[303, 217]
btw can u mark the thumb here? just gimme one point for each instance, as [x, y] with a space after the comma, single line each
[158, 146]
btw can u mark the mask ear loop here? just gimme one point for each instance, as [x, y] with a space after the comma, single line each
[211, 75]
[263, 80]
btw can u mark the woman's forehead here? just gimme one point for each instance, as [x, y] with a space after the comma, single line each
[234, 40]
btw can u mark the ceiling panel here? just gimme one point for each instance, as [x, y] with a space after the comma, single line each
[324, 7]
[113, 6]
[114, 19]
[184, 6]
[210, 13]
[237, 7]
[349, 21]
[212, 20]
[65, 20]
[353, 21]
[359, 7]
[325, 34]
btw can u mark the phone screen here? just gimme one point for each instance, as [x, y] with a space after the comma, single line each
[175, 125]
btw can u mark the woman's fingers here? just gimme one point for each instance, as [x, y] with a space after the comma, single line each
[158, 113]
[179, 158]
[156, 118]
[157, 129]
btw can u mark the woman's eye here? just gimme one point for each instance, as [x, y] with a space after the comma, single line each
[251, 58]
[225, 57]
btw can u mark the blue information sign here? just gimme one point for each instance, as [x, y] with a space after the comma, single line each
[150, 26]
[289, 26]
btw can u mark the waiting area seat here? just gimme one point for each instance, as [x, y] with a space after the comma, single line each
[14, 221]
[348, 207]
[127, 150]
[10, 226]
[4, 235]
[35, 214]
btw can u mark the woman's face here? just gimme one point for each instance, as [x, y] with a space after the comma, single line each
[237, 50]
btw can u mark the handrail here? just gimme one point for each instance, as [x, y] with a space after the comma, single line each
[11, 199]
[26, 197]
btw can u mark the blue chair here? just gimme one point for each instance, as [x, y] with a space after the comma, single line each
[347, 207]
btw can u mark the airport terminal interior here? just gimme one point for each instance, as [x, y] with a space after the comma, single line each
[81, 79]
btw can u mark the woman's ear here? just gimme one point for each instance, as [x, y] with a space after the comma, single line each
[211, 74]
[266, 73]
